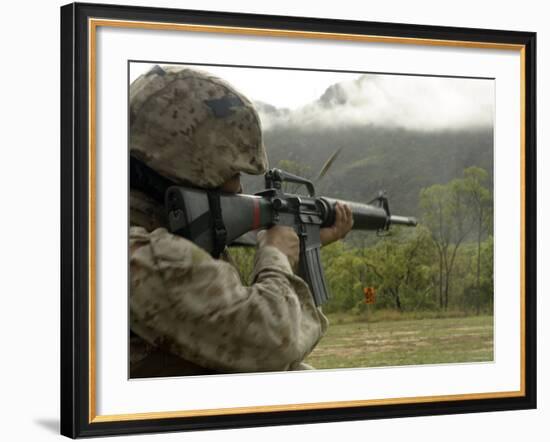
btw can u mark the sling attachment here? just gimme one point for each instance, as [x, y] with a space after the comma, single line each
[382, 201]
[218, 227]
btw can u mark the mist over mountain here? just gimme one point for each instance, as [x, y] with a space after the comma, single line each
[271, 113]
[392, 139]
[391, 101]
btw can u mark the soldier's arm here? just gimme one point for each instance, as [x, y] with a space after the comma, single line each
[196, 307]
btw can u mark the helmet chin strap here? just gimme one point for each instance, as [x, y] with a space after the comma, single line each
[146, 180]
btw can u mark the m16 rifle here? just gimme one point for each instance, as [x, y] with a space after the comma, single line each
[213, 219]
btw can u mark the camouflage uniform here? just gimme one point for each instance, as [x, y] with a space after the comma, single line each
[190, 313]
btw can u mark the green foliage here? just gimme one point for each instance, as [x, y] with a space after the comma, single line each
[345, 273]
[455, 212]
[486, 283]
[243, 259]
[468, 295]
[399, 267]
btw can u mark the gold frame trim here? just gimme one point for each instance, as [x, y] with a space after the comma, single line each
[93, 24]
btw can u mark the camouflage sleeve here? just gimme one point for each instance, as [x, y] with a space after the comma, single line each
[196, 307]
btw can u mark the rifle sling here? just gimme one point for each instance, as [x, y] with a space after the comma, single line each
[219, 230]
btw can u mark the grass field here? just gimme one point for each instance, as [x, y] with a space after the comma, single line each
[404, 342]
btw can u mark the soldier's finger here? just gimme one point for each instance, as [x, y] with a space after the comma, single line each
[341, 213]
[349, 215]
[337, 213]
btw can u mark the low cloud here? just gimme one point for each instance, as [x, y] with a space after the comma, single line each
[408, 102]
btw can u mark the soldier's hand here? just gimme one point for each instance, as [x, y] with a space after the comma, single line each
[343, 223]
[283, 238]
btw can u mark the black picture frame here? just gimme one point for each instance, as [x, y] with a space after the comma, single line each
[77, 418]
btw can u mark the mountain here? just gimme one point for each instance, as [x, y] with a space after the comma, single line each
[399, 161]
[397, 134]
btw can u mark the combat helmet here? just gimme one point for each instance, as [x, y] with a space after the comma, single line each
[194, 128]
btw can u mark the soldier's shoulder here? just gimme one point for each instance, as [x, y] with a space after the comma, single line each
[168, 247]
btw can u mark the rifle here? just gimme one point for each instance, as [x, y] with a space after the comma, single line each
[213, 219]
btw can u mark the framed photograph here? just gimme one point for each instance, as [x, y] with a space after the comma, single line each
[273, 220]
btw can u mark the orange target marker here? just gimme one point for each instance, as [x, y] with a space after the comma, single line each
[370, 295]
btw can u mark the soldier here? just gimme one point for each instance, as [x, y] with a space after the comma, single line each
[190, 313]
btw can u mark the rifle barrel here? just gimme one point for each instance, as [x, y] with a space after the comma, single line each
[369, 217]
[403, 220]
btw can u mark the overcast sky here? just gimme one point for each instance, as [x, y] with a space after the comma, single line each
[410, 102]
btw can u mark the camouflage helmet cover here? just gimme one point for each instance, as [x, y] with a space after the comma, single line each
[193, 127]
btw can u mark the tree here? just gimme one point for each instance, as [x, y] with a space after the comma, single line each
[446, 213]
[399, 266]
[486, 278]
[345, 275]
[481, 204]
